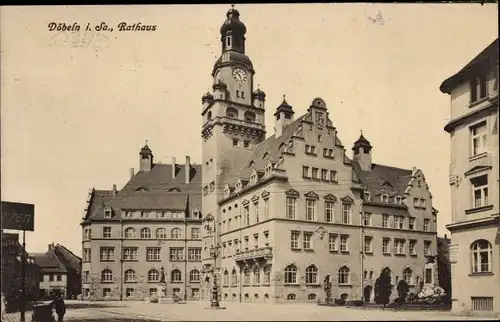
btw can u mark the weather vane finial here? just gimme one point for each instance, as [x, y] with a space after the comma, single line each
[284, 96]
[361, 132]
[146, 142]
[232, 5]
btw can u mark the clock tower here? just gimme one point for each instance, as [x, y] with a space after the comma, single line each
[233, 121]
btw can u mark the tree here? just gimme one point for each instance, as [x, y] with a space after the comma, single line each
[383, 287]
[403, 289]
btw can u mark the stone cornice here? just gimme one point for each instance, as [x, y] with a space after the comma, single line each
[468, 117]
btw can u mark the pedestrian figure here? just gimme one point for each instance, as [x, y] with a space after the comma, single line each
[60, 307]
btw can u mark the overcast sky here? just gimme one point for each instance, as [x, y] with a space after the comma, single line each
[74, 114]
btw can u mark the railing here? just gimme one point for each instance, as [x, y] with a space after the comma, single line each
[263, 252]
[480, 160]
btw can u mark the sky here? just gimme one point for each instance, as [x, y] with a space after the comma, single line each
[76, 108]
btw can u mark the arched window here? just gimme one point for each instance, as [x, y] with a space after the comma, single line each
[256, 296]
[161, 233]
[290, 297]
[153, 275]
[250, 116]
[145, 233]
[246, 276]
[194, 276]
[107, 276]
[311, 297]
[129, 276]
[256, 275]
[234, 278]
[291, 275]
[232, 112]
[267, 274]
[344, 275]
[481, 256]
[408, 276]
[176, 233]
[176, 276]
[311, 275]
[130, 233]
[226, 278]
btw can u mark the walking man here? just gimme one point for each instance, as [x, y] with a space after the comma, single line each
[60, 307]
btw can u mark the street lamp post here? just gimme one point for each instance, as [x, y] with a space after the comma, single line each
[214, 253]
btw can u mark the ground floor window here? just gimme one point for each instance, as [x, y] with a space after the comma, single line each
[153, 291]
[129, 292]
[482, 303]
[176, 290]
[311, 297]
[195, 293]
[290, 297]
[106, 292]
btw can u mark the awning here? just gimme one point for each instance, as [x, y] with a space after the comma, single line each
[386, 210]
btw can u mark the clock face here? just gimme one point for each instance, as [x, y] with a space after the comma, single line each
[240, 75]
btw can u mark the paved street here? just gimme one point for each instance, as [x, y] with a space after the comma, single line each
[195, 311]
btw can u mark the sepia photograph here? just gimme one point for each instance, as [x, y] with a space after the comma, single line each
[250, 162]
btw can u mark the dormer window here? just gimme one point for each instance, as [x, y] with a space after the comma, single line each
[367, 195]
[196, 213]
[228, 41]
[269, 169]
[384, 198]
[253, 177]
[227, 192]
[108, 212]
[398, 200]
[238, 185]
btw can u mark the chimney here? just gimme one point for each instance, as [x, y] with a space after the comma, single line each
[445, 236]
[51, 246]
[132, 172]
[114, 190]
[173, 167]
[187, 169]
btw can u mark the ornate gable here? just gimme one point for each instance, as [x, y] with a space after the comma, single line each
[245, 202]
[292, 193]
[265, 194]
[312, 194]
[347, 199]
[255, 198]
[330, 197]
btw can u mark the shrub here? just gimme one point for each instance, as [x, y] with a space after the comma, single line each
[383, 287]
[403, 290]
[340, 301]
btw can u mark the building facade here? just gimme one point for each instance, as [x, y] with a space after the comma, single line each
[149, 229]
[287, 212]
[59, 272]
[473, 128]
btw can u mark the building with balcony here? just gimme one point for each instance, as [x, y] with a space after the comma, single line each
[286, 212]
[473, 128]
[59, 272]
[149, 228]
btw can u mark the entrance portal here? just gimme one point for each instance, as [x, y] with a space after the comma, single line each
[368, 293]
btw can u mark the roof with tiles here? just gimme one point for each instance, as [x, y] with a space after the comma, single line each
[151, 190]
[67, 258]
[384, 179]
[48, 262]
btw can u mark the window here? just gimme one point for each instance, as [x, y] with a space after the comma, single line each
[106, 292]
[106, 232]
[290, 297]
[427, 223]
[367, 219]
[153, 292]
[481, 252]
[333, 176]
[194, 276]
[194, 254]
[308, 240]
[256, 209]
[246, 276]
[176, 233]
[346, 213]
[343, 275]
[315, 172]
[266, 209]
[294, 239]
[246, 214]
[130, 254]
[145, 233]
[320, 138]
[412, 247]
[51, 277]
[367, 195]
[152, 254]
[385, 221]
[399, 246]
[195, 293]
[324, 174]
[87, 234]
[313, 149]
[422, 204]
[107, 213]
[332, 242]
[130, 276]
[267, 274]
[59, 277]
[234, 278]
[398, 200]
[85, 276]
[411, 223]
[256, 275]
[161, 233]
[130, 233]
[384, 198]
[311, 275]
[235, 142]
[226, 278]
[478, 88]
[480, 191]
[107, 254]
[329, 211]
[427, 248]
[291, 274]
[87, 255]
[305, 172]
[310, 209]
[175, 276]
[479, 138]
[176, 253]
[428, 275]
[416, 202]
[290, 207]
[153, 275]
[399, 222]
[344, 243]
[408, 276]
[246, 144]
[385, 245]
[482, 303]
[368, 244]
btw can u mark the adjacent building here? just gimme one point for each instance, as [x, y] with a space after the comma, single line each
[147, 230]
[286, 212]
[473, 128]
[59, 272]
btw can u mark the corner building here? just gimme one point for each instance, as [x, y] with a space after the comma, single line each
[288, 211]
